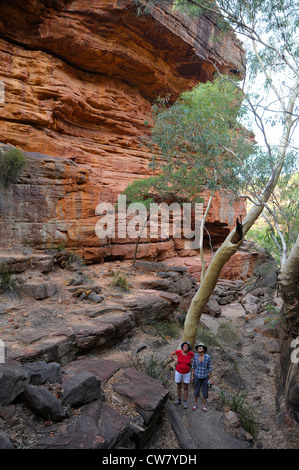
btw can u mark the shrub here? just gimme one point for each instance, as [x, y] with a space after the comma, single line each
[12, 163]
[163, 328]
[8, 283]
[244, 411]
[120, 281]
[72, 257]
[151, 367]
[207, 337]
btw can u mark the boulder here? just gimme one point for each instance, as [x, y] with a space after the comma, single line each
[44, 403]
[58, 346]
[231, 417]
[93, 297]
[40, 372]
[89, 337]
[212, 307]
[251, 304]
[81, 389]
[39, 291]
[44, 265]
[13, 380]
[226, 299]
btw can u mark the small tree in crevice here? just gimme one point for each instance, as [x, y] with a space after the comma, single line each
[12, 163]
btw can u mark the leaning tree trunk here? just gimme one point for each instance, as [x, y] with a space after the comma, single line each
[289, 285]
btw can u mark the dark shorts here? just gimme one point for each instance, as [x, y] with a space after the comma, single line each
[201, 383]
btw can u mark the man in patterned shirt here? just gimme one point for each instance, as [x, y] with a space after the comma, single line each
[201, 374]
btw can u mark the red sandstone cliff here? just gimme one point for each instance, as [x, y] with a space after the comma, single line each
[79, 79]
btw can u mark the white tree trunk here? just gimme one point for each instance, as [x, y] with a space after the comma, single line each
[289, 284]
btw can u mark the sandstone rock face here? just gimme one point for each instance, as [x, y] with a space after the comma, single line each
[79, 80]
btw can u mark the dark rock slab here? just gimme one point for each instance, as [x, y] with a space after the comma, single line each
[97, 427]
[150, 305]
[174, 282]
[59, 347]
[81, 389]
[102, 368]
[80, 432]
[44, 403]
[104, 307]
[158, 266]
[13, 380]
[147, 393]
[91, 336]
[180, 429]
[123, 322]
[115, 428]
[41, 372]
[157, 284]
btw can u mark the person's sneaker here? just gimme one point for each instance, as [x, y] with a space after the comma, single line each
[177, 402]
[185, 404]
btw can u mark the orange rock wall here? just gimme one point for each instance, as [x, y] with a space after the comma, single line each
[79, 78]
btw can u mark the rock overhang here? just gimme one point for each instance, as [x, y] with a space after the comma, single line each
[80, 77]
[163, 51]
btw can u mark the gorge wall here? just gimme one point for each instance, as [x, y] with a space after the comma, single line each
[79, 80]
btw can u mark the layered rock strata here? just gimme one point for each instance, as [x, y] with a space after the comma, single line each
[79, 79]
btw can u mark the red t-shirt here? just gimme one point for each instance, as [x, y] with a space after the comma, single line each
[184, 361]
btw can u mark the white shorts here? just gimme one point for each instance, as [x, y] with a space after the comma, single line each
[182, 377]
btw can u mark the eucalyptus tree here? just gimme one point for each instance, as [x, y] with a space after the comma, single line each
[197, 144]
[270, 32]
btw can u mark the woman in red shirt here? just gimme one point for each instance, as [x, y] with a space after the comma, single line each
[183, 358]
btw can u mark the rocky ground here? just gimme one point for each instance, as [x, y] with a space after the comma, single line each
[251, 368]
[242, 341]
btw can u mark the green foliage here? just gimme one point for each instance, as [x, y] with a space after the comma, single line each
[275, 318]
[152, 367]
[8, 283]
[261, 234]
[171, 186]
[200, 137]
[74, 258]
[12, 163]
[120, 281]
[163, 328]
[285, 207]
[202, 146]
[245, 412]
[207, 337]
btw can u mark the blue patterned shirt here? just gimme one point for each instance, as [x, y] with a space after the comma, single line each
[202, 369]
